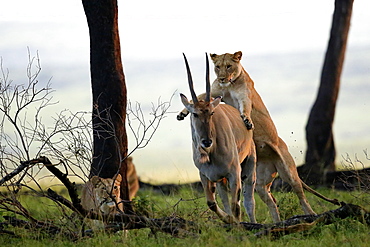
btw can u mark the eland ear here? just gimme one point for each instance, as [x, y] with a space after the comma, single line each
[216, 101]
[238, 55]
[185, 101]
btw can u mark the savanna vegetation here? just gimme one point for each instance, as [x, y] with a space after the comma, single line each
[37, 210]
[189, 203]
[33, 213]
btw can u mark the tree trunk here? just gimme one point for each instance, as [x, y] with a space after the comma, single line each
[108, 90]
[320, 155]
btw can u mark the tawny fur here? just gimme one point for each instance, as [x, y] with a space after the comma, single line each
[223, 151]
[227, 161]
[102, 195]
[237, 89]
[132, 178]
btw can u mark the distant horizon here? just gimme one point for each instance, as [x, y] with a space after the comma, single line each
[283, 50]
[289, 102]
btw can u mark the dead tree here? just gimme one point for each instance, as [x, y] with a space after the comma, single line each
[23, 134]
[320, 154]
[109, 92]
[304, 223]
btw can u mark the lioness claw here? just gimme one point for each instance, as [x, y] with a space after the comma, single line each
[248, 124]
[181, 116]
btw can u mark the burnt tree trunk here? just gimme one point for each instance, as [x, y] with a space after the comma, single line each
[320, 154]
[108, 90]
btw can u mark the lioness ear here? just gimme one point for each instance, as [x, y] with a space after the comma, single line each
[117, 178]
[238, 55]
[94, 180]
[213, 56]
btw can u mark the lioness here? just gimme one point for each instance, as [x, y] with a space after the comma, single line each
[102, 195]
[237, 89]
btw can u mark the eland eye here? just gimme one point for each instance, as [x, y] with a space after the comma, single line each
[212, 113]
[115, 187]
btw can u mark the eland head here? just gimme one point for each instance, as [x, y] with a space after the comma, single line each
[201, 112]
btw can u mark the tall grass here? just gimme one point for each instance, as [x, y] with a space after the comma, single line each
[191, 205]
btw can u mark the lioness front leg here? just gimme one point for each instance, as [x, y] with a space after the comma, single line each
[247, 121]
[182, 114]
[245, 108]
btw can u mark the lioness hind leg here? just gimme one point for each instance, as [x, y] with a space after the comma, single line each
[288, 173]
[249, 201]
[266, 173]
[295, 182]
[296, 185]
[266, 196]
[249, 184]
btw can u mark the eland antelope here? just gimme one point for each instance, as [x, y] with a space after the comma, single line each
[237, 89]
[223, 151]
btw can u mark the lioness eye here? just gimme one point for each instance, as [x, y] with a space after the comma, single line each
[195, 115]
[228, 66]
[212, 113]
[217, 67]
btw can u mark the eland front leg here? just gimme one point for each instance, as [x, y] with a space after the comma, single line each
[235, 184]
[223, 190]
[210, 191]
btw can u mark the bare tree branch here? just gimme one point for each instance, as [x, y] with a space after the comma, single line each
[141, 130]
[307, 222]
[69, 141]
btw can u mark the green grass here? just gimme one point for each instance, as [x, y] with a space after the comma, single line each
[190, 204]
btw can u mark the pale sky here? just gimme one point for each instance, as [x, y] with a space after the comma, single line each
[163, 29]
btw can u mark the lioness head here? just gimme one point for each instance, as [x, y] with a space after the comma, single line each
[227, 67]
[101, 195]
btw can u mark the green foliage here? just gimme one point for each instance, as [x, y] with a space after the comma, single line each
[191, 205]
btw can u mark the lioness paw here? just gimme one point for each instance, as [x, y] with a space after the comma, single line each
[247, 122]
[181, 116]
